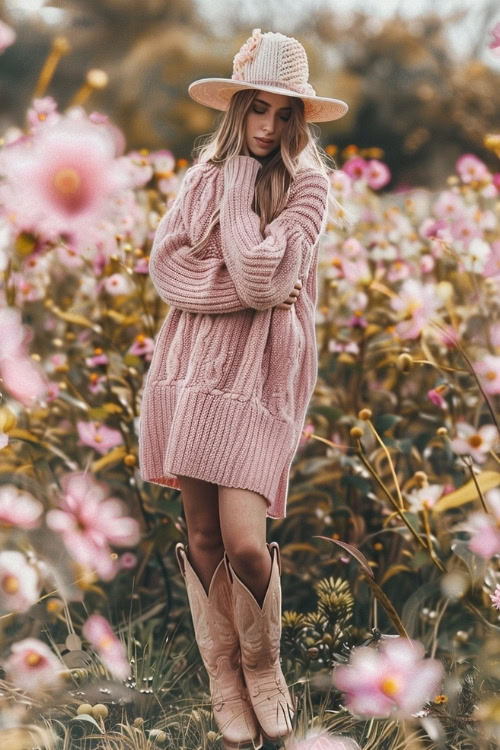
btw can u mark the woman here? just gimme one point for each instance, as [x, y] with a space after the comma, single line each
[235, 364]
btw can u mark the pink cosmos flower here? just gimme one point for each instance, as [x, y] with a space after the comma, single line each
[377, 174]
[96, 383]
[437, 399]
[495, 597]
[341, 184]
[117, 284]
[464, 230]
[475, 442]
[398, 269]
[7, 36]
[42, 113]
[98, 436]
[356, 167]
[19, 582]
[394, 680]
[417, 302]
[19, 508]
[323, 741]
[99, 358]
[475, 256]
[357, 271]
[489, 371]
[484, 528]
[449, 205]
[111, 650]
[33, 666]
[89, 521]
[24, 379]
[352, 248]
[470, 168]
[427, 263]
[13, 334]
[143, 345]
[63, 178]
[141, 266]
[425, 497]
[495, 42]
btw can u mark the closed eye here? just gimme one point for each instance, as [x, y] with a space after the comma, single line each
[285, 119]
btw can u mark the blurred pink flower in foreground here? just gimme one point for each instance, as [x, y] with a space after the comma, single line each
[111, 650]
[477, 443]
[394, 680]
[489, 373]
[19, 582]
[63, 178]
[32, 665]
[22, 377]
[495, 42]
[485, 527]
[19, 508]
[98, 436]
[89, 521]
[7, 36]
[323, 741]
[42, 113]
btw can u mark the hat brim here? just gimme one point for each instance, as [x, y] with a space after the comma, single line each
[217, 92]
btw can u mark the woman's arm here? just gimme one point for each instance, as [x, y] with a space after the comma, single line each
[191, 284]
[264, 269]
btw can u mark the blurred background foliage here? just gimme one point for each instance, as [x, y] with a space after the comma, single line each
[408, 90]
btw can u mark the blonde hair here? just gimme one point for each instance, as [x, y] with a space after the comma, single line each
[299, 149]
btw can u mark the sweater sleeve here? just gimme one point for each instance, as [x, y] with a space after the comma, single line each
[265, 268]
[192, 284]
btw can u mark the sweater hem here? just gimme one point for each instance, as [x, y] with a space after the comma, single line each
[220, 437]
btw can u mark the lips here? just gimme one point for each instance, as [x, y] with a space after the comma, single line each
[263, 141]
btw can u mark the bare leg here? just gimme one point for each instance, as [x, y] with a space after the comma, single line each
[201, 508]
[243, 525]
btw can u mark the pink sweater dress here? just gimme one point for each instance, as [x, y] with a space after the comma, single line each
[227, 391]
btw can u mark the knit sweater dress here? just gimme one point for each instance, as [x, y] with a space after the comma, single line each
[227, 390]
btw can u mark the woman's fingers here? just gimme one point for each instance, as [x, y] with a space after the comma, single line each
[292, 297]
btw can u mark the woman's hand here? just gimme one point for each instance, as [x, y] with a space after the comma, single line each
[292, 298]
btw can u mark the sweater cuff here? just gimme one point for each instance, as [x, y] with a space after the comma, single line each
[241, 170]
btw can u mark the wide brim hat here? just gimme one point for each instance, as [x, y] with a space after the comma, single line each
[269, 62]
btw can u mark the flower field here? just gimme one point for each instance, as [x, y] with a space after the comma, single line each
[391, 543]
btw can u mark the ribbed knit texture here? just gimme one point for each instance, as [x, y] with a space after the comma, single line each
[227, 391]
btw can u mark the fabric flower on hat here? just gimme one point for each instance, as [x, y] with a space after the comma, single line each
[246, 54]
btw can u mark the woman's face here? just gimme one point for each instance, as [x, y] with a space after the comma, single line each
[266, 119]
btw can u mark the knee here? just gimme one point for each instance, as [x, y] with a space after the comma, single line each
[205, 540]
[247, 554]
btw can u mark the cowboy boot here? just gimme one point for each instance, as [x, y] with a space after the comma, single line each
[219, 648]
[259, 630]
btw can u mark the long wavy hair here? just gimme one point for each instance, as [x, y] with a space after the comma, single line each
[299, 149]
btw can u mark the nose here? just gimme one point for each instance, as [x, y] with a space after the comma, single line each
[269, 125]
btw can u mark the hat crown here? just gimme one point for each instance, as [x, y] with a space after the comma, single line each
[273, 59]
